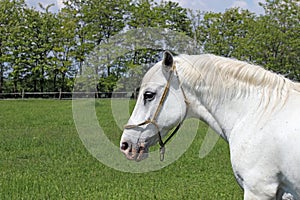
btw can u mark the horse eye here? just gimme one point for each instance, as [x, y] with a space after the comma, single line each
[149, 96]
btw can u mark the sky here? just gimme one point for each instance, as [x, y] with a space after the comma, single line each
[222, 5]
[203, 5]
[35, 3]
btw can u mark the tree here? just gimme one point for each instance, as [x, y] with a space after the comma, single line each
[34, 54]
[40, 50]
[96, 21]
[75, 10]
[226, 34]
[270, 40]
[173, 17]
[105, 19]
[278, 37]
[142, 14]
[10, 15]
[167, 14]
[148, 22]
[64, 51]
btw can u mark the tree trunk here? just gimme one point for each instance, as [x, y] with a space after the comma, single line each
[1, 78]
[80, 67]
[34, 85]
[54, 82]
[63, 82]
[15, 85]
[42, 82]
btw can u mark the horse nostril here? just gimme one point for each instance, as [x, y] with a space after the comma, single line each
[124, 146]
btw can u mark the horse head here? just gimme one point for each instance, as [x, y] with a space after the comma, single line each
[161, 106]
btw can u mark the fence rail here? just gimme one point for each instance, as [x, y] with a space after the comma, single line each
[67, 95]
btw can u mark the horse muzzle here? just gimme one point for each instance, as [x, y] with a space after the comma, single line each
[137, 152]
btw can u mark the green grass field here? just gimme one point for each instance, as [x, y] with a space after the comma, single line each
[42, 157]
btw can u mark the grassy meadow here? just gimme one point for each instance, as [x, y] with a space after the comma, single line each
[42, 157]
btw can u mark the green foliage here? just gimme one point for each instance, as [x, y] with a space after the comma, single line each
[271, 40]
[280, 46]
[167, 14]
[108, 83]
[44, 51]
[10, 18]
[226, 34]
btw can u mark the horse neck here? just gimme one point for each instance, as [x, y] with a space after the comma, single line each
[221, 114]
[221, 108]
[225, 92]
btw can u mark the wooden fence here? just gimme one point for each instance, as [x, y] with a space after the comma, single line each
[67, 95]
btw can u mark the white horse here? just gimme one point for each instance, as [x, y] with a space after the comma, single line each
[257, 112]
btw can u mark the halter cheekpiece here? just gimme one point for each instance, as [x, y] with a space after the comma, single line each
[153, 121]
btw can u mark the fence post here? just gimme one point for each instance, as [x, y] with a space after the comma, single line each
[23, 94]
[60, 90]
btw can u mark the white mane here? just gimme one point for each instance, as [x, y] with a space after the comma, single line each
[226, 77]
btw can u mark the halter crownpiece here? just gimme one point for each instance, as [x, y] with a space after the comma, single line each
[161, 102]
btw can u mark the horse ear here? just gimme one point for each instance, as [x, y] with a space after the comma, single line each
[168, 60]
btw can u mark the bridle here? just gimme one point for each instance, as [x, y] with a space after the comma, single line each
[153, 121]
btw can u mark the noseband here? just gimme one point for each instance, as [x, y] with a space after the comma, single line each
[153, 121]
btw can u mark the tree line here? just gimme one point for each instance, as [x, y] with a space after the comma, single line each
[45, 51]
